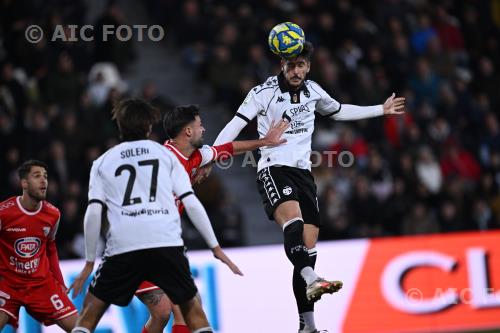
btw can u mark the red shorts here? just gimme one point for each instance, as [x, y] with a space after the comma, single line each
[47, 302]
[146, 286]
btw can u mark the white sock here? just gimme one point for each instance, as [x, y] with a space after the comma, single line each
[79, 329]
[308, 320]
[309, 275]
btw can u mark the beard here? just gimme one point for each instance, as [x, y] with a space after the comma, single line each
[198, 143]
[37, 194]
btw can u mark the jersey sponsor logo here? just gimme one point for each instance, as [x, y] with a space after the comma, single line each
[296, 111]
[16, 229]
[297, 131]
[46, 231]
[144, 211]
[280, 99]
[25, 267]
[27, 247]
[287, 190]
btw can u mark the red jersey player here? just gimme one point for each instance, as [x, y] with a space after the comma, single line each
[183, 126]
[29, 267]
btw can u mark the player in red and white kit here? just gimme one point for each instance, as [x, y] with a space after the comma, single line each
[184, 127]
[29, 267]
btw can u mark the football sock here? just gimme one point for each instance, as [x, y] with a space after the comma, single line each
[144, 330]
[295, 249]
[307, 318]
[303, 305]
[180, 329]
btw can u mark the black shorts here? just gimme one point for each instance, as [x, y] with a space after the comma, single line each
[117, 278]
[279, 184]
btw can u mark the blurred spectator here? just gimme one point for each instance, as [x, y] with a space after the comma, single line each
[425, 82]
[461, 163]
[419, 221]
[428, 170]
[422, 34]
[111, 49]
[63, 85]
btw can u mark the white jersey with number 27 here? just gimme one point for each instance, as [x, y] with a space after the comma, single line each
[136, 181]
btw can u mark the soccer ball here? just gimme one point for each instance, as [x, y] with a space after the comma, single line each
[286, 40]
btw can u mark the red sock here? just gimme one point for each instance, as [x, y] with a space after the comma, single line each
[180, 329]
[144, 330]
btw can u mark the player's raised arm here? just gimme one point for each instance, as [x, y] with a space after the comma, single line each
[246, 112]
[271, 139]
[196, 212]
[327, 106]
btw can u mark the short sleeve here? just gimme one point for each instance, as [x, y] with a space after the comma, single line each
[249, 108]
[208, 154]
[326, 105]
[181, 185]
[96, 184]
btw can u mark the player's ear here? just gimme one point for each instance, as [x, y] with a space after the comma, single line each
[283, 63]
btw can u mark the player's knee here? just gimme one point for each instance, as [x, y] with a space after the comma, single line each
[160, 313]
[286, 211]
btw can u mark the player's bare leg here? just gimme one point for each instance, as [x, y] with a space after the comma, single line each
[93, 309]
[195, 316]
[180, 325]
[68, 323]
[159, 306]
[4, 319]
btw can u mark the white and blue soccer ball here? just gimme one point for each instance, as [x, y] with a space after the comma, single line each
[286, 40]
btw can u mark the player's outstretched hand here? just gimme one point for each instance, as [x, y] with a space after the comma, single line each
[79, 282]
[273, 136]
[219, 254]
[202, 173]
[394, 105]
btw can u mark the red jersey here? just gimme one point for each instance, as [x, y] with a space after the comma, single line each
[201, 157]
[27, 246]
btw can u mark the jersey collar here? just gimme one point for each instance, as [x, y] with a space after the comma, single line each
[169, 143]
[294, 94]
[27, 212]
[284, 87]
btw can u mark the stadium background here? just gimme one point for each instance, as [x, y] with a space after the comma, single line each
[435, 170]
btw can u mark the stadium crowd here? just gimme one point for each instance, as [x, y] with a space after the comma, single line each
[436, 169]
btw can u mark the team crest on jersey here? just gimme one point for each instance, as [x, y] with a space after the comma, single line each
[46, 231]
[27, 247]
[287, 190]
